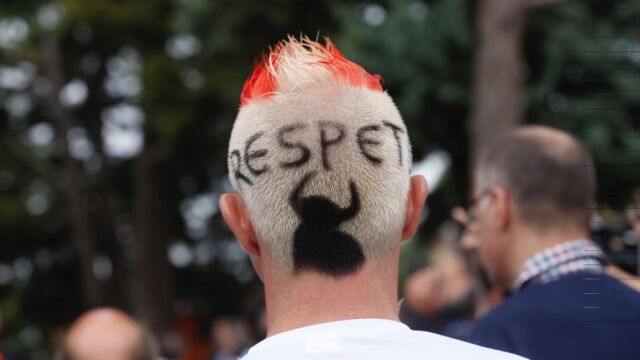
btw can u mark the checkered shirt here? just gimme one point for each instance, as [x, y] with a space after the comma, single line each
[561, 260]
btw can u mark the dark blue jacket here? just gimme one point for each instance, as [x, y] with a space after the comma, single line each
[579, 317]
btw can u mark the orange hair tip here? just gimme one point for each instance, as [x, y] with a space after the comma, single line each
[262, 82]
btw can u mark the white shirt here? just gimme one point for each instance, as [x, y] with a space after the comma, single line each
[367, 339]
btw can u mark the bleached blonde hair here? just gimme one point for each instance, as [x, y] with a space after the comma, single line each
[305, 95]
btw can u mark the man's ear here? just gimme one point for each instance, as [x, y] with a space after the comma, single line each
[236, 215]
[503, 210]
[418, 191]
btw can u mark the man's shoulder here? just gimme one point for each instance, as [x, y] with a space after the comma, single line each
[564, 296]
[371, 339]
[571, 306]
[532, 303]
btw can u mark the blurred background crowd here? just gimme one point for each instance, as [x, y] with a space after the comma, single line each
[115, 117]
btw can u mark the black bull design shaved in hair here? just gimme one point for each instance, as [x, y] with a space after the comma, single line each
[318, 244]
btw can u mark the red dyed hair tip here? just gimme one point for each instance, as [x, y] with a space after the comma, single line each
[262, 82]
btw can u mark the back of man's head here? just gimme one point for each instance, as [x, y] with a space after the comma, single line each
[106, 334]
[549, 174]
[321, 158]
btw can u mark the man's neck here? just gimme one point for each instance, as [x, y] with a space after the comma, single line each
[531, 242]
[310, 298]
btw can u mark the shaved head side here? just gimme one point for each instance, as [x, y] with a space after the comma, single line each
[321, 157]
[549, 173]
[106, 334]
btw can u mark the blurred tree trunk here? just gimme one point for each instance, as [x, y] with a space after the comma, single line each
[116, 290]
[120, 284]
[70, 175]
[497, 80]
[153, 286]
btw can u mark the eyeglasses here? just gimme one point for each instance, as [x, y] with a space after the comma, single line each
[470, 207]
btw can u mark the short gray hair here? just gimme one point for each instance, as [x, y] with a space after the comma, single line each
[549, 174]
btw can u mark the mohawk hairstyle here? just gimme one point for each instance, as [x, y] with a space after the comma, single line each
[287, 66]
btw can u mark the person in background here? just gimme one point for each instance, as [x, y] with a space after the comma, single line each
[192, 344]
[320, 159]
[441, 297]
[6, 354]
[529, 221]
[1, 355]
[227, 339]
[107, 334]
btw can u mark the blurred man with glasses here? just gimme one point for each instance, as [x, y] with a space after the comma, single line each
[529, 223]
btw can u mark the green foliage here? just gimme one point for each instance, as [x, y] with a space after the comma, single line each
[584, 78]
